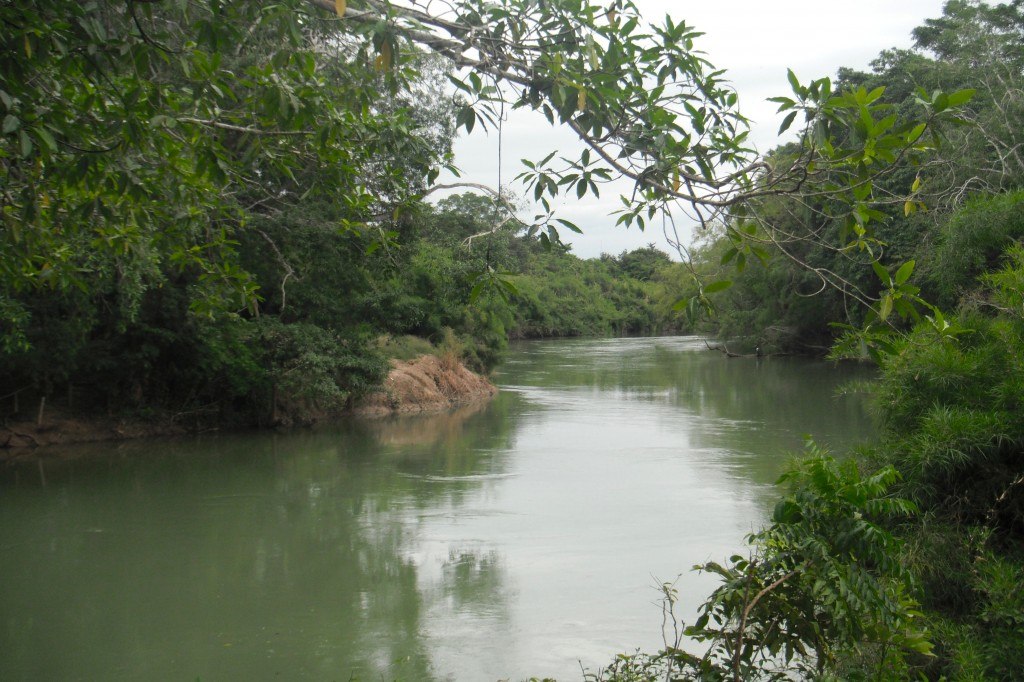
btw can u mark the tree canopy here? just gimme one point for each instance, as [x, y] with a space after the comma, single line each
[149, 131]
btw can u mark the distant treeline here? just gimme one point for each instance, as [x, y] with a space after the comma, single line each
[334, 305]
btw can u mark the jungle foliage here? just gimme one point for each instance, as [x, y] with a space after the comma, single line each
[218, 209]
[953, 214]
[213, 210]
[334, 305]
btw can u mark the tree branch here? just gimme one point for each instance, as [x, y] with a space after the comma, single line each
[210, 123]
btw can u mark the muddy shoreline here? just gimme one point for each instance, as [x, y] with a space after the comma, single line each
[425, 385]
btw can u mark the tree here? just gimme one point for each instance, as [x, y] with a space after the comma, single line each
[649, 107]
[95, 94]
[147, 145]
[139, 137]
[786, 300]
[644, 263]
[168, 170]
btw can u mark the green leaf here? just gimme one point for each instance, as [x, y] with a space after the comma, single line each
[885, 307]
[47, 139]
[961, 97]
[903, 274]
[477, 289]
[783, 102]
[793, 81]
[787, 122]
[570, 225]
[507, 285]
[762, 254]
[461, 85]
[882, 273]
[720, 285]
[26, 144]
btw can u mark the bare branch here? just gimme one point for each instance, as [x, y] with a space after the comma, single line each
[210, 123]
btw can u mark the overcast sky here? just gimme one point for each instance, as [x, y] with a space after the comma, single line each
[755, 41]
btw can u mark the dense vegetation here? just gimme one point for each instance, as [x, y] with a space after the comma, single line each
[211, 209]
[236, 235]
[330, 310]
[961, 214]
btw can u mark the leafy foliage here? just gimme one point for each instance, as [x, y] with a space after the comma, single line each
[972, 243]
[221, 151]
[313, 370]
[801, 290]
[823, 577]
[821, 582]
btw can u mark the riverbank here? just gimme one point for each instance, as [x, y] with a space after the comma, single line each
[422, 385]
[425, 384]
[450, 526]
[61, 428]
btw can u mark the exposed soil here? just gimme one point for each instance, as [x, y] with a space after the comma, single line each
[424, 385]
[59, 428]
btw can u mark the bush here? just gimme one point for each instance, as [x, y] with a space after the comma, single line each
[970, 244]
[314, 370]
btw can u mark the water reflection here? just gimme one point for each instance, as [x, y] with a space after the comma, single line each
[233, 557]
[503, 540]
[753, 412]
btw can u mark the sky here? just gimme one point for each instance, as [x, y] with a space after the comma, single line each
[755, 41]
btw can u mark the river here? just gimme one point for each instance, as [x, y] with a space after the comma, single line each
[525, 537]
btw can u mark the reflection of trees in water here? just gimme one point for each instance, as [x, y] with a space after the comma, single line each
[752, 412]
[241, 556]
[755, 413]
[250, 555]
[728, 388]
[445, 428]
[471, 576]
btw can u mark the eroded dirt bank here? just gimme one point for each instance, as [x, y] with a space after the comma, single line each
[59, 428]
[426, 384]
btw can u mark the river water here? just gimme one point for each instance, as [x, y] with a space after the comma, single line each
[521, 538]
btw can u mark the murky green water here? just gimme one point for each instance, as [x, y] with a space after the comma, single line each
[502, 541]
